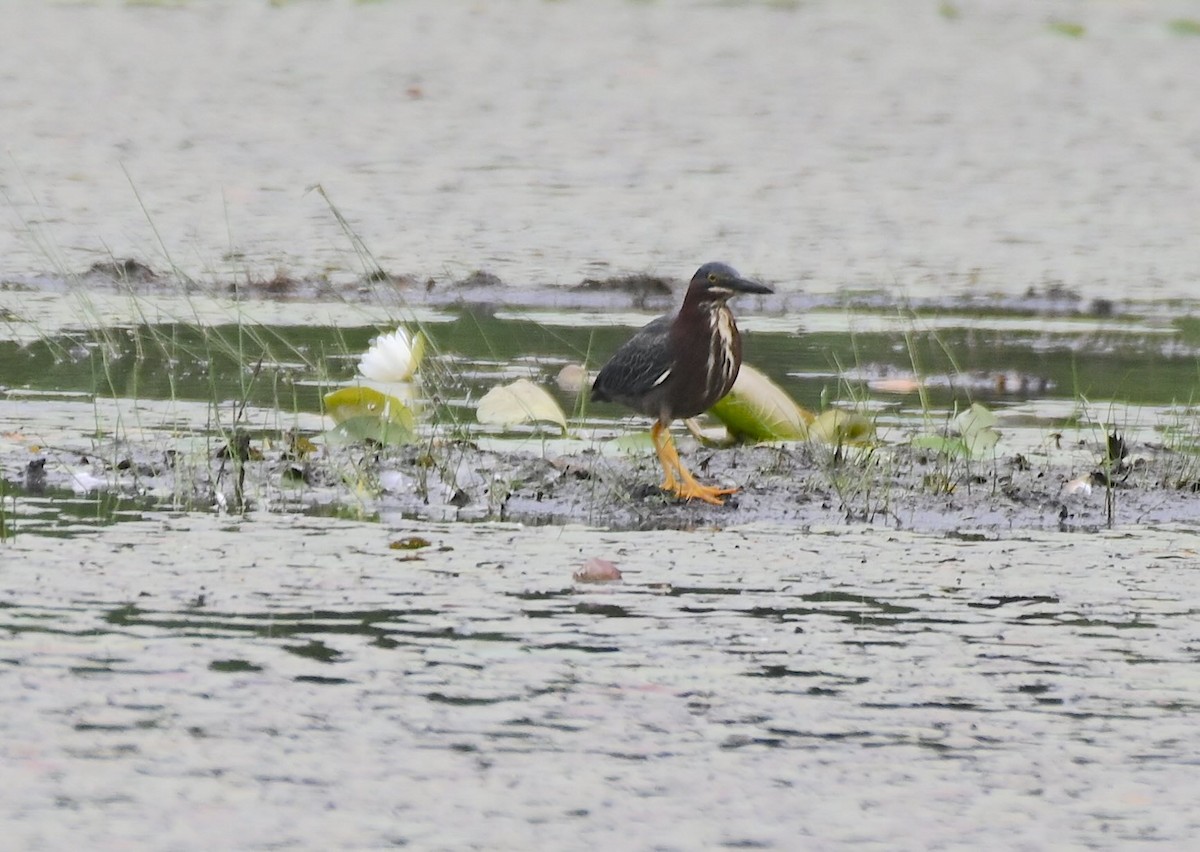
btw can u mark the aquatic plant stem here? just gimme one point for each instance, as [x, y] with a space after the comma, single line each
[162, 245]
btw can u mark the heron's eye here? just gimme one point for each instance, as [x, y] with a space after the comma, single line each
[712, 278]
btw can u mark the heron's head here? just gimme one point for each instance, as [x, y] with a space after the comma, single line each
[717, 282]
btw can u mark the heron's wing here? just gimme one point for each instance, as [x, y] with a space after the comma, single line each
[642, 363]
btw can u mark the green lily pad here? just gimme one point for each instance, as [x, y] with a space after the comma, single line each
[835, 426]
[1067, 28]
[364, 414]
[757, 409]
[975, 425]
[942, 444]
[974, 435]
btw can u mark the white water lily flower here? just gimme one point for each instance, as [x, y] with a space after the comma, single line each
[393, 357]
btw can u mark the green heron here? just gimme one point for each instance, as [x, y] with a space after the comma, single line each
[679, 366]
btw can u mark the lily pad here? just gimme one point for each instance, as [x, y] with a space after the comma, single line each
[757, 409]
[975, 425]
[365, 414]
[835, 426]
[718, 436]
[1067, 28]
[974, 435]
[519, 402]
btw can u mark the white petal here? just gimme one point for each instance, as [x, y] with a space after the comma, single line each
[390, 358]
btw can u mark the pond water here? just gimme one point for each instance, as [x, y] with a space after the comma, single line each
[996, 203]
[198, 682]
[909, 146]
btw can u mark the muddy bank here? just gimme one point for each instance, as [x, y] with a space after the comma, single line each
[131, 353]
[796, 486]
[483, 289]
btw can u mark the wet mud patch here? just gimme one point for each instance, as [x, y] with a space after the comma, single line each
[637, 291]
[797, 486]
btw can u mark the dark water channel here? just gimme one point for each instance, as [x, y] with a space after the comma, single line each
[961, 357]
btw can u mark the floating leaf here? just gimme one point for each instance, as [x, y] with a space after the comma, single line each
[572, 378]
[974, 435]
[895, 384]
[975, 426]
[942, 444]
[716, 437]
[835, 426]
[1185, 26]
[519, 402]
[757, 409]
[364, 414]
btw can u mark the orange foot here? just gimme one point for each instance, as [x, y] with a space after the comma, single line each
[707, 493]
[677, 479]
[690, 489]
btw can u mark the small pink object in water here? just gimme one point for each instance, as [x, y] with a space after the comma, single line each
[895, 384]
[597, 570]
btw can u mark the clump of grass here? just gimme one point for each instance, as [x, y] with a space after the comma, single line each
[1181, 441]
[856, 471]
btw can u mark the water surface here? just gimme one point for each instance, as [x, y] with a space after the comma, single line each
[282, 683]
[818, 145]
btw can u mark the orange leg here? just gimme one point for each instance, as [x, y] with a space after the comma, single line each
[678, 480]
[664, 448]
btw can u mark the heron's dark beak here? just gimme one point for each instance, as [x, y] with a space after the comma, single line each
[745, 285]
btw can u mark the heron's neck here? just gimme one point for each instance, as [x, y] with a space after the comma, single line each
[711, 314]
[712, 337]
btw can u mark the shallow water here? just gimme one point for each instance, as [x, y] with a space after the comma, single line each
[187, 682]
